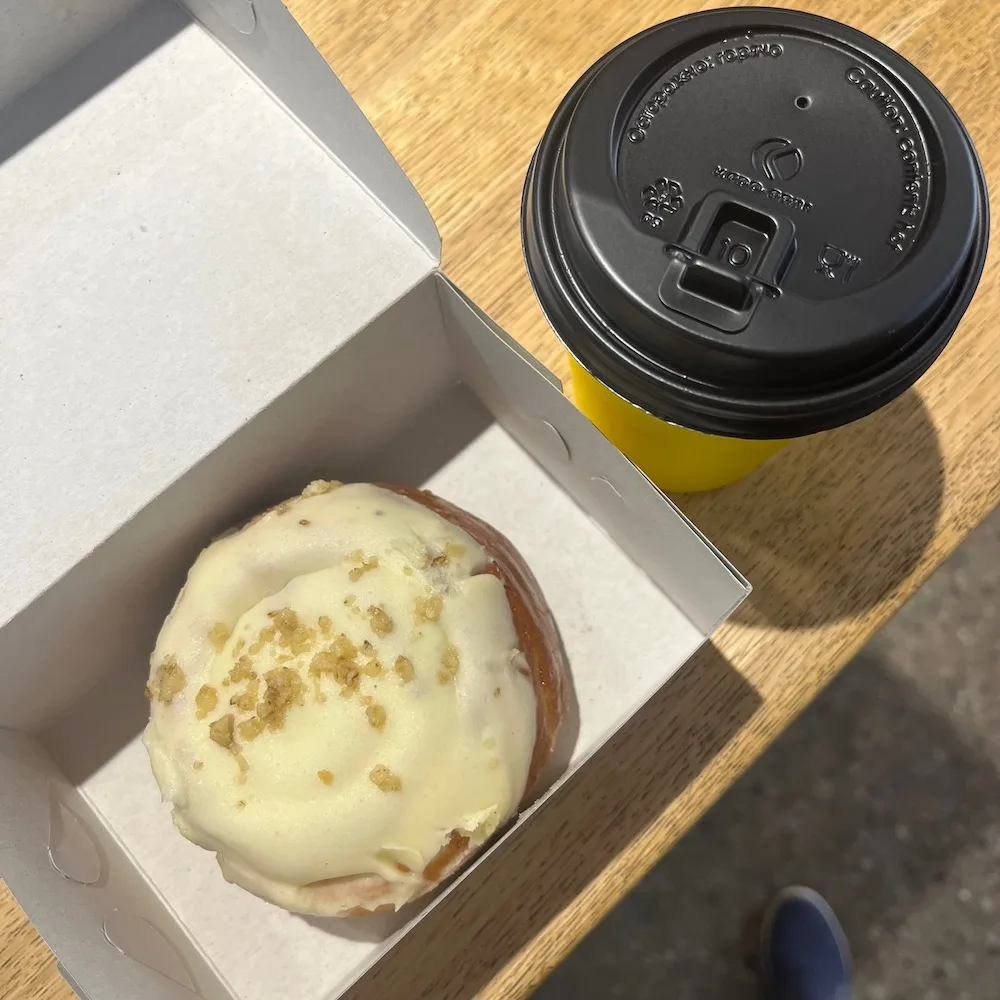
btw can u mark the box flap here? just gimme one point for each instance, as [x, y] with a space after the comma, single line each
[178, 252]
[269, 43]
[263, 36]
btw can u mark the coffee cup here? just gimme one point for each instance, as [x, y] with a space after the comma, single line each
[748, 226]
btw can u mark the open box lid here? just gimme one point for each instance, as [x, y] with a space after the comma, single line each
[173, 243]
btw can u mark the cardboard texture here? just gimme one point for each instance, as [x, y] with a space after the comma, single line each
[220, 286]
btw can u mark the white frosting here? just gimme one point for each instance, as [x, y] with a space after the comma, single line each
[459, 739]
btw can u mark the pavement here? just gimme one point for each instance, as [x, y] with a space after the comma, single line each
[884, 795]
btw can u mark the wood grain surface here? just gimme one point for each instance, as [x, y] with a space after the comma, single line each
[835, 533]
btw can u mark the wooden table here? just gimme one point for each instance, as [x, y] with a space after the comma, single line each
[835, 534]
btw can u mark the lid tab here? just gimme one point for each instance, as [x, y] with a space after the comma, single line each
[729, 256]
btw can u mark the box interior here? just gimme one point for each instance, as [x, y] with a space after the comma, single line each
[228, 298]
[623, 634]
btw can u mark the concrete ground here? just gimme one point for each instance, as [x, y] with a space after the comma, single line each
[884, 795]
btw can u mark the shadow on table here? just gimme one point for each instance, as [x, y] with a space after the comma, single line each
[457, 948]
[849, 514]
[869, 797]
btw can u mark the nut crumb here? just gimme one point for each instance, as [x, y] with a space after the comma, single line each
[218, 636]
[243, 671]
[376, 716]
[221, 730]
[245, 702]
[198, 765]
[407, 571]
[304, 521]
[241, 804]
[343, 669]
[428, 609]
[286, 621]
[325, 625]
[205, 700]
[255, 647]
[284, 689]
[250, 729]
[167, 682]
[365, 565]
[404, 668]
[496, 692]
[238, 648]
[244, 765]
[449, 660]
[325, 776]
[343, 648]
[381, 777]
[320, 486]
[381, 623]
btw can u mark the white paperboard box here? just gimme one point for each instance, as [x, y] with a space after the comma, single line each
[218, 285]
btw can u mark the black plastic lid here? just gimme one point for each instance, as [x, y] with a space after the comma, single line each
[755, 222]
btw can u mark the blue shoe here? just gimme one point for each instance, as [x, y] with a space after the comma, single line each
[803, 953]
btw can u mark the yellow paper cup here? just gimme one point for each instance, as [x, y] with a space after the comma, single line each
[676, 459]
[732, 224]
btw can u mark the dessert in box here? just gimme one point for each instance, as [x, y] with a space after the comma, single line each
[220, 287]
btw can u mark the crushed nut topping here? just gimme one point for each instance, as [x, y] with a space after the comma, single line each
[286, 621]
[373, 668]
[344, 669]
[284, 689]
[449, 661]
[245, 702]
[404, 667]
[250, 729]
[451, 551]
[343, 648]
[238, 648]
[218, 636]
[244, 766]
[243, 671]
[325, 776]
[325, 625]
[376, 716]
[429, 608]
[168, 681]
[365, 564]
[321, 486]
[198, 765]
[255, 647]
[381, 777]
[304, 522]
[221, 730]
[205, 700]
[407, 571]
[496, 692]
[241, 804]
[381, 623]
